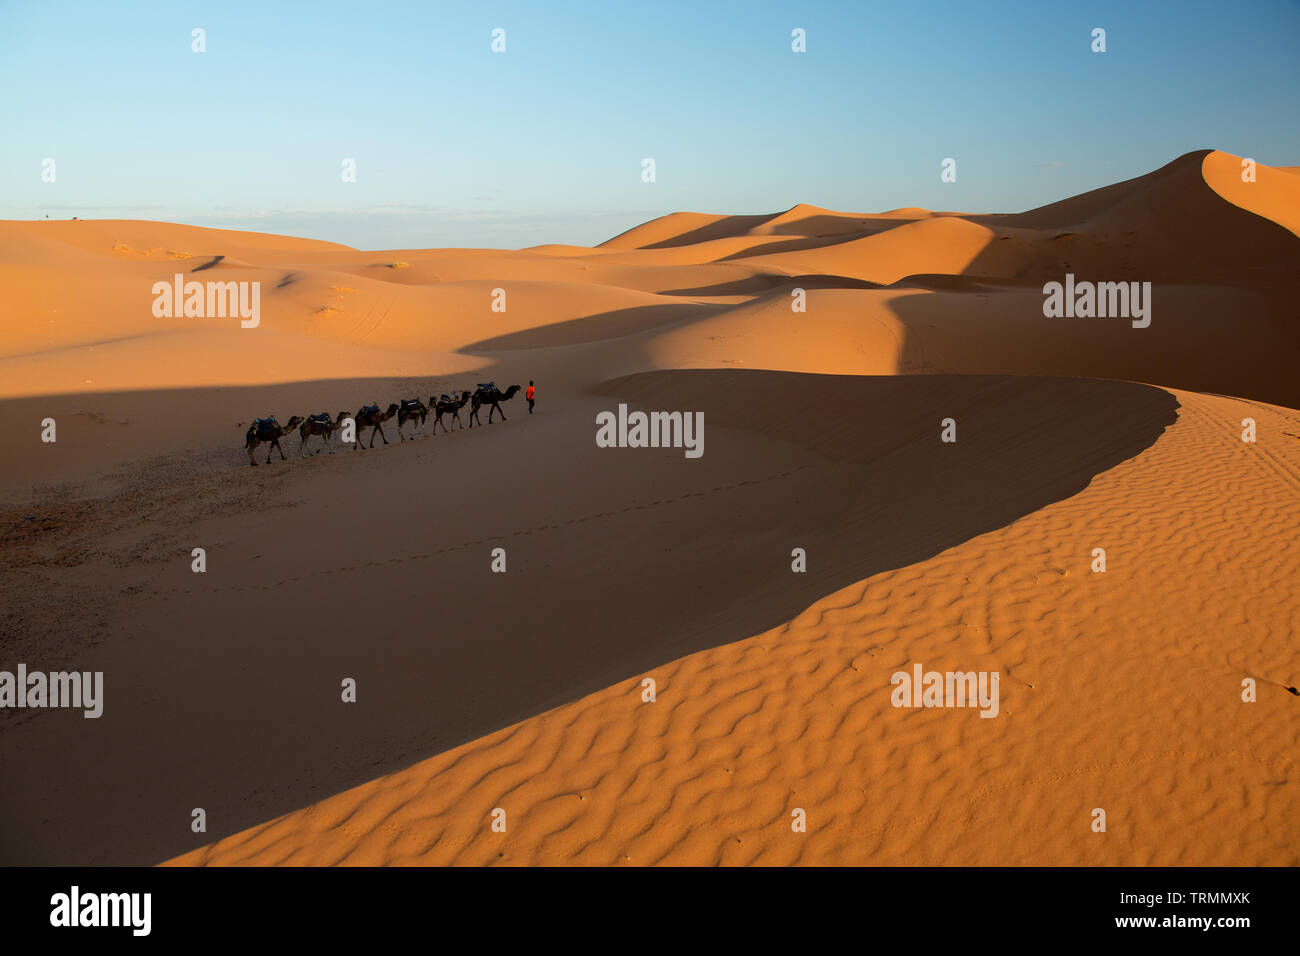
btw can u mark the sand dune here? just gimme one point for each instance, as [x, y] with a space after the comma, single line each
[521, 691]
[683, 228]
[1120, 691]
[927, 245]
[1272, 195]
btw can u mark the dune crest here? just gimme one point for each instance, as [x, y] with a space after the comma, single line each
[1273, 195]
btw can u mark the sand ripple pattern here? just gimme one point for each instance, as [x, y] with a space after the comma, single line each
[1119, 690]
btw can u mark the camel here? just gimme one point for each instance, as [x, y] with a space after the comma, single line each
[488, 394]
[370, 416]
[321, 425]
[411, 410]
[267, 431]
[448, 405]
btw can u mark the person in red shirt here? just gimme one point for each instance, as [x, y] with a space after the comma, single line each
[530, 394]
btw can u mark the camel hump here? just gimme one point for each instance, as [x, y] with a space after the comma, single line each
[320, 417]
[369, 409]
[410, 402]
[487, 386]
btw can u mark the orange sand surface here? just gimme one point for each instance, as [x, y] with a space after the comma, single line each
[523, 691]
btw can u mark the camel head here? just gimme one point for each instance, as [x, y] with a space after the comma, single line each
[293, 423]
[341, 416]
[510, 392]
[392, 410]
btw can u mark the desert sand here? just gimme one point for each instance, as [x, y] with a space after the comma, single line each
[523, 691]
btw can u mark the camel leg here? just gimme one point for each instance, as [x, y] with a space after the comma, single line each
[381, 434]
[249, 449]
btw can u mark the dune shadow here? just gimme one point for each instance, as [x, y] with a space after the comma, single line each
[222, 689]
[214, 261]
[820, 240]
[725, 227]
[769, 282]
[977, 324]
[599, 327]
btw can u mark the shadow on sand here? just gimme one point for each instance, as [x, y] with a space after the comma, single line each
[222, 690]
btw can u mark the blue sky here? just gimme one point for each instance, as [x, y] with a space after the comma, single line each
[458, 146]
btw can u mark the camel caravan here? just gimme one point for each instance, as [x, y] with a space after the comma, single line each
[412, 411]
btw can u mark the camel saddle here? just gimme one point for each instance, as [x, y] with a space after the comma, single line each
[323, 418]
[369, 410]
[265, 427]
[411, 403]
[488, 387]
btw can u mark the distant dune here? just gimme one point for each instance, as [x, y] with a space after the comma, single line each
[522, 691]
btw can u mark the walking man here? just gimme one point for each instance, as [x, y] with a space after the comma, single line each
[530, 394]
